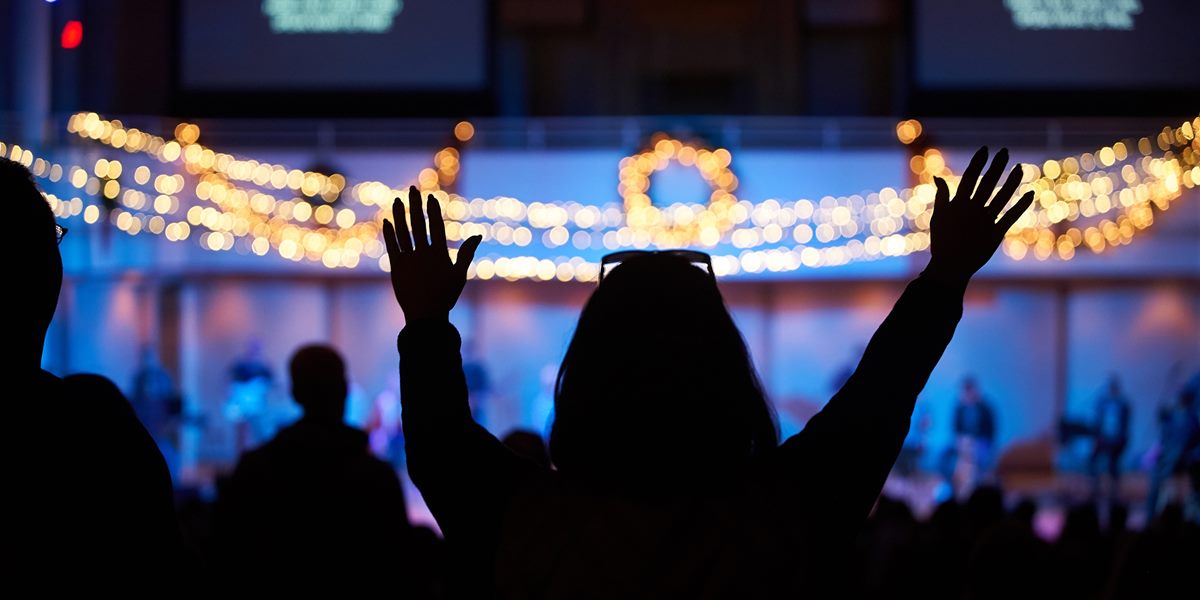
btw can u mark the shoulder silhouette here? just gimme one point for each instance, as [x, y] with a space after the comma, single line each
[92, 495]
[667, 475]
[313, 497]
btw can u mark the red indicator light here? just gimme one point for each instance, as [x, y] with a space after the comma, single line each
[72, 34]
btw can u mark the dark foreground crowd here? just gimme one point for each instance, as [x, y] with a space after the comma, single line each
[664, 475]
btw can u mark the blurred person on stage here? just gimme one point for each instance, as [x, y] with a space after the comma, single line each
[158, 405]
[1110, 436]
[908, 464]
[479, 382]
[1179, 450]
[541, 410]
[975, 434]
[247, 410]
[383, 426]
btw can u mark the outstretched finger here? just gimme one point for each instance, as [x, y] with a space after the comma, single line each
[988, 184]
[966, 185]
[437, 227]
[466, 253]
[400, 227]
[1014, 213]
[1005, 193]
[941, 199]
[420, 238]
[389, 241]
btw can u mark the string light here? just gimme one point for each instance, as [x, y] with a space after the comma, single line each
[908, 131]
[244, 211]
[464, 131]
[1095, 200]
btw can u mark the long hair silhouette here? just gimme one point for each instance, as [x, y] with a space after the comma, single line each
[657, 381]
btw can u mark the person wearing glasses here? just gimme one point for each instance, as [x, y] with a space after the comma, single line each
[89, 496]
[668, 479]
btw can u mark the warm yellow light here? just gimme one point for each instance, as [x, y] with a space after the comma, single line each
[170, 151]
[302, 211]
[78, 177]
[1051, 169]
[464, 131]
[1070, 190]
[323, 214]
[908, 131]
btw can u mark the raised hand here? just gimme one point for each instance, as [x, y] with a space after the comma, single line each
[966, 230]
[426, 283]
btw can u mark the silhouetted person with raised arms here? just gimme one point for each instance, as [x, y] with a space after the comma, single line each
[669, 480]
[312, 504]
[89, 498]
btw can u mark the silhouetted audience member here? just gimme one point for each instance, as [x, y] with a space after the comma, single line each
[1118, 519]
[313, 500]
[1160, 562]
[1025, 513]
[983, 510]
[884, 562]
[89, 496]
[528, 445]
[669, 479]
[1082, 558]
[1008, 561]
[978, 550]
[943, 548]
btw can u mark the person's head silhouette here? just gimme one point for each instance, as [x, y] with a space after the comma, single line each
[527, 445]
[1114, 385]
[1190, 392]
[319, 383]
[657, 381]
[39, 270]
[970, 390]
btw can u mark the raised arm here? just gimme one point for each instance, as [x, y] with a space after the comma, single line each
[851, 444]
[463, 472]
